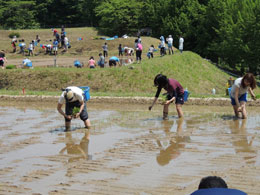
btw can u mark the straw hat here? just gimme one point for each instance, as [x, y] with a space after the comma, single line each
[70, 95]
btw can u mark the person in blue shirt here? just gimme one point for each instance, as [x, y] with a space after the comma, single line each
[55, 46]
[113, 61]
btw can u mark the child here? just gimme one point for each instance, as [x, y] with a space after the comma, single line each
[174, 92]
[162, 46]
[55, 46]
[91, 62]
[150, 52]
[170, 42]
[239, 92]
[2, 59]
[120, 50]
[31, 47]
[105, 50]
[101, 61]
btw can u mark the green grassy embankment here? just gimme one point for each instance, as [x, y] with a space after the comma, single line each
[193, 72]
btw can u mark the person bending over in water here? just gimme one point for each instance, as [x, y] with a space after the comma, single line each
[238, 93]
[73, 97]
[174, 92]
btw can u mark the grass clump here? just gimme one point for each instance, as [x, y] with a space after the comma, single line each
[12, 34]
[10, 67]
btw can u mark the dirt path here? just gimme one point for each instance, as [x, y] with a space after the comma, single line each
[49, 61]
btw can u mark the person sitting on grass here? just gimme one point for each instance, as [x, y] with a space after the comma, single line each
[238, 93]
[73, 97]
[174, 92]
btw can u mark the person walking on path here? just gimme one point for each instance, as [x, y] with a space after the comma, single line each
[170, 43]
[181, 41]
[174, 92]
[105, 50]
[238, 93]
[73, 97]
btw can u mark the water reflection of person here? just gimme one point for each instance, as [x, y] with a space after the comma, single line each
[176, 143]
[76, 151]
[242, 144]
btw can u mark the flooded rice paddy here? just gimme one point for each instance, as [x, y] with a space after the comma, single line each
[129, 150]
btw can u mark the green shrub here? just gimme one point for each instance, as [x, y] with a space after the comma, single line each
[12, 34]
[11, 67]
[257, 96]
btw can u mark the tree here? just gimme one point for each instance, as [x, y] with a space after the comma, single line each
[119, 16]
[18, 14]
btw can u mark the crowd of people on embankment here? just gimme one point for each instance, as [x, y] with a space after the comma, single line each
[61, 41]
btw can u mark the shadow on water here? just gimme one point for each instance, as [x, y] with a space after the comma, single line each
[160, 118]
[76, 151]
[64, 130]
[243, 144]
[172, 149]
[228, 117]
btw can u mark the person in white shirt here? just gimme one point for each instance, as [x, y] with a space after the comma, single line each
[181, 41]
[238, 93]
[31, 47]
[170, 43]
[73, 97]
[66, 43]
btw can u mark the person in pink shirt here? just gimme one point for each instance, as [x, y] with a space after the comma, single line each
[91, 62]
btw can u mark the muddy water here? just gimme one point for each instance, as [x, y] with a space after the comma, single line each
[129, 150]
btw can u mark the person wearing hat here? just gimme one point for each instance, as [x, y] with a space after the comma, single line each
[73, 97]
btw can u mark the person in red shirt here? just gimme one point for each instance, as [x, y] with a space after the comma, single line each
[174, 92]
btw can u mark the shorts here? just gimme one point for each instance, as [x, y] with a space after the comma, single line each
[178, 100]
[1, 63]
[112, 63]
[169, 45]
[242, 98]
[69, 110]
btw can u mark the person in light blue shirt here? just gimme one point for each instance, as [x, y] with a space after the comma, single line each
[113, 61]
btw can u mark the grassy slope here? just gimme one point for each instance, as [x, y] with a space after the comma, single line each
[193, 72]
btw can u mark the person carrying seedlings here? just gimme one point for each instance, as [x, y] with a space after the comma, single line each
[73, 98]
[174, 92]
[238, 93]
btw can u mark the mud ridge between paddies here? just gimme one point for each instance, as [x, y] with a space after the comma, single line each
[125, 100]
